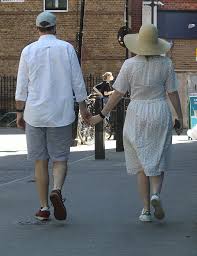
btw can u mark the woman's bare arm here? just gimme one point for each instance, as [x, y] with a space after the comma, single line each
[175, 100]
[111, 103]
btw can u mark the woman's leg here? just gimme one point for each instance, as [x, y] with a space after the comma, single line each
[156, 183]
[144, 189]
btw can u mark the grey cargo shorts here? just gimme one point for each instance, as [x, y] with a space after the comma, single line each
[48, 142]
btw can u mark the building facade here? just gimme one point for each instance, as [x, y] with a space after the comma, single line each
[182, 24]
[100, 52]
[176, 22]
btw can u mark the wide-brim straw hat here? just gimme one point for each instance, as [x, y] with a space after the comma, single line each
[146, 42]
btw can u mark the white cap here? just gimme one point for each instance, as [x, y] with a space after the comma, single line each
[45, 20]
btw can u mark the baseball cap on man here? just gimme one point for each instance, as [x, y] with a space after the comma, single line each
[45, 20]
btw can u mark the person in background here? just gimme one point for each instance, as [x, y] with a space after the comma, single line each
[104, 88]
[147, 134]
[48, 74]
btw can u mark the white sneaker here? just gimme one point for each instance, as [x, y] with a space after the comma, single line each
[156, 203]
[145, 216]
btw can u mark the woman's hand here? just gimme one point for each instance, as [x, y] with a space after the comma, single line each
[95, 120]
[178, 126]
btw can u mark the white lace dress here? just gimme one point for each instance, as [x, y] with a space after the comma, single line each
[147, 133]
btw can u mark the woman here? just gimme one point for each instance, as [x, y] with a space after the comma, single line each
[147, 133]
[104, 88]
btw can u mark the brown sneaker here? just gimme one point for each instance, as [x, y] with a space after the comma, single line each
[57, 202]
[42, 215]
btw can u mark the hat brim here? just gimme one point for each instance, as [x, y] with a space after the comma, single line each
[138, 47]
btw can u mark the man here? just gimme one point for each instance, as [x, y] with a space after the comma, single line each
[48, 74]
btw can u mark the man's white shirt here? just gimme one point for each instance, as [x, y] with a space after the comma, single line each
[48, 74]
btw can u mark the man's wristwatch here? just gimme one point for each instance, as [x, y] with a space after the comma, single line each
[19, 110]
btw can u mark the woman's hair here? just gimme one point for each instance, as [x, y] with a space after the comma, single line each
[104, 76]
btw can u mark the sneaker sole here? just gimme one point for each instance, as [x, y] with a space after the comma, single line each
[143, 220]
[41, 218]
[159, 212]
[59, 208]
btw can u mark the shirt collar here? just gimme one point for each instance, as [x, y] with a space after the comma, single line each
[47, 37]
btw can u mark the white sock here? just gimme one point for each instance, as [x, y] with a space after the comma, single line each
[45, 209]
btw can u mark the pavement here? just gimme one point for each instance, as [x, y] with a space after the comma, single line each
[102, 202]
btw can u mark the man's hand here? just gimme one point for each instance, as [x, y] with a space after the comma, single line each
[20, 121]
[86, 115]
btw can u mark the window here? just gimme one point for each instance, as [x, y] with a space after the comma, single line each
[56, 5]
[177, 24]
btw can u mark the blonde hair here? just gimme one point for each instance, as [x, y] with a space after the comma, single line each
[104, 76]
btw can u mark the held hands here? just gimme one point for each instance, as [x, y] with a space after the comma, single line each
[89, 119]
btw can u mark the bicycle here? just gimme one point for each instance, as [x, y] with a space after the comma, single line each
[86, 133]
[8, 119]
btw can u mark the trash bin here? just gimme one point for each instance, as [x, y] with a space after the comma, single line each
[192, 111]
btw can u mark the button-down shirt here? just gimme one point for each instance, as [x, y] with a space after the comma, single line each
[48, 74]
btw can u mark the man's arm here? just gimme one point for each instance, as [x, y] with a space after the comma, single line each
[78, 84]
[20, 105]
[97, 91]
[21, 91]
[108, 93]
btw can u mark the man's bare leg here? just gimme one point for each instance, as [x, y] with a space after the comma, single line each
[42, 181]
[59, 174]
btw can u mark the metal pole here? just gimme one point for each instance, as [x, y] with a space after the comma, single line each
[80, 34]
[127, 22]
[120, 114]
[152, 11]
[79, 48]
[99, 132]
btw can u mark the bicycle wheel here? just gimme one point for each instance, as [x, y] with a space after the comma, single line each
[85, 132]
[107, 129]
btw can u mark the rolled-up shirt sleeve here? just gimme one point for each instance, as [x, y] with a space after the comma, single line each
[78, 83]
[22, 80]
[122, 83]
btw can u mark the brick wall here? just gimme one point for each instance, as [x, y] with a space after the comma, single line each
[179, 4]
[101, 51]
[183, 51]
[17, 29]
[135, 9]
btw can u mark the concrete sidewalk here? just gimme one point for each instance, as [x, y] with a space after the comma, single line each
[103, 207]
